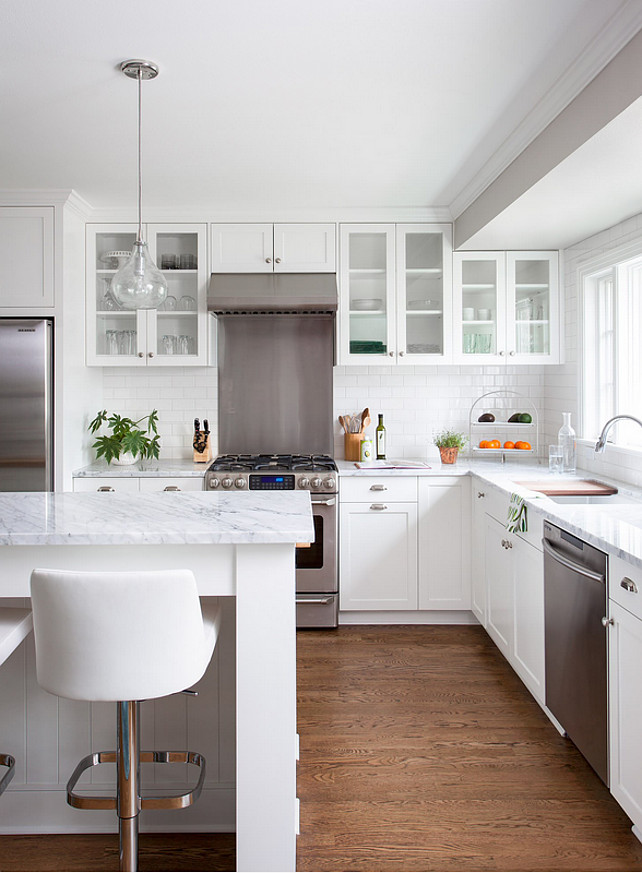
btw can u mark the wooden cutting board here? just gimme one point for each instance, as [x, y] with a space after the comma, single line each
[569, 487]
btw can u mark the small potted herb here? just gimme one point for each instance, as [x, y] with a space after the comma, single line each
[127, 440]
[449, 442]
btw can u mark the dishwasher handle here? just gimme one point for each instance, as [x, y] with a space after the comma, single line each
[556, 555]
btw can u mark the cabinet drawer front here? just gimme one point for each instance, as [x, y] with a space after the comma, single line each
[182, 483]
[625, 585]
[355, 489]
[95, 483]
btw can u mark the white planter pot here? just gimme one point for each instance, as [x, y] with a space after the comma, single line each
[125, 460]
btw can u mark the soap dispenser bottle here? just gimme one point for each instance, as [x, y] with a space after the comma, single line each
[566, 439]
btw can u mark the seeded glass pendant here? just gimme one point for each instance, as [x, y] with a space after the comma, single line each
[139, 284]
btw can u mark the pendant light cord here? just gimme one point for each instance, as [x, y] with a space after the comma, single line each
[140, 150]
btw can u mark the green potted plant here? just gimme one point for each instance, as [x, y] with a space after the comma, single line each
[127, 441]
[449, 442]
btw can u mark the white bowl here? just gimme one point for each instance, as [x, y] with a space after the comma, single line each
[368, 304]
[120, 257]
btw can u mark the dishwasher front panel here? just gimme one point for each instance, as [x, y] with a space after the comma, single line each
[576, 642]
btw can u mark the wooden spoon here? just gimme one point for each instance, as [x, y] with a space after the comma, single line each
[365, 419]
[343, 424]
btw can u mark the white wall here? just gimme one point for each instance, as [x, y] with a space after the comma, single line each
[180, 394]
[561, 388]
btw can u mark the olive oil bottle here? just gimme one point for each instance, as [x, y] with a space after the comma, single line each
[381, 440]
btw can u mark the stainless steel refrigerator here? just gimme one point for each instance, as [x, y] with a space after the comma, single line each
[26, 410]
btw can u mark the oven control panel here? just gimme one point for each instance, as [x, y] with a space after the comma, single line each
[281, 482]
[235, 481]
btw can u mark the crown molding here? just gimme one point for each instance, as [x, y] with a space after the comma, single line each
[600, 51]
[193, 215]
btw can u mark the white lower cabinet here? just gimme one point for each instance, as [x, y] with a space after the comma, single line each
[515, 603]
[137, 483]
[404, 543]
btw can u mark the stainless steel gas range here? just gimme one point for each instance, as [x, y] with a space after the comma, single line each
[317, 593]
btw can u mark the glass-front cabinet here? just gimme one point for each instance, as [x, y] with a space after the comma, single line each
[506, 307]
[395, 286]
[176, 333]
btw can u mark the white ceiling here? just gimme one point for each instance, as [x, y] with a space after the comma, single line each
[286, 105]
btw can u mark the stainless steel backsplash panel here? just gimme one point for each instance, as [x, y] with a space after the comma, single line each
[275, 383]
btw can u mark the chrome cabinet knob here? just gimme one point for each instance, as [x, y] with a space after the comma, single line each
[391, 354]
[268, 260]
[502, 353]
[481, 494]
[277, 260]
[141, 355]
[511, 354]
[401, 354]
[151, 354]
[606, 621]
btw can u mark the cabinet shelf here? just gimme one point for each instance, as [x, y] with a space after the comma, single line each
[424, 271]
[478, 451]
[479, 286]
[365, 271]
[504, 425]
[367, 312]
[477, 322]
[424, 312]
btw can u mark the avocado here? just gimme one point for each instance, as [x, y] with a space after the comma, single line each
[526, 418]
[487, 416]
[515, 418]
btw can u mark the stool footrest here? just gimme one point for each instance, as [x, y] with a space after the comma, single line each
[10, 762]
[172, 801]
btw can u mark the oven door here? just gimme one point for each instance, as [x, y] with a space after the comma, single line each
[316, 563]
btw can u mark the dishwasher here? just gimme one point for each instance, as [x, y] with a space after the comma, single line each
[576, 642]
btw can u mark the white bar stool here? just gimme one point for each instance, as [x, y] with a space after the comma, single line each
[15, 625]
[123, 637]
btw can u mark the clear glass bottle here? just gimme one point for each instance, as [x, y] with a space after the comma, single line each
[381, 440]
[566, 439]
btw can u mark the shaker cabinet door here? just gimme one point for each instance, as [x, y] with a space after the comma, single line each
[27, 256]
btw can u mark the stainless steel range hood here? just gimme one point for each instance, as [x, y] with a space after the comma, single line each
[245, 293]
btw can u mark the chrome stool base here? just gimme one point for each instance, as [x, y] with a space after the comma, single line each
[10, 762]
[128, 801]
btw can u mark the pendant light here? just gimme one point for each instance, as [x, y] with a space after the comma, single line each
[139, 284]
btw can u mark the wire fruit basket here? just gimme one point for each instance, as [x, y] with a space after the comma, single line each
[500, 406]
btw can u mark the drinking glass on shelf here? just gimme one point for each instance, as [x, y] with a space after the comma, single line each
[183, 345]
[168, 262]
[469, 343]
[187, 303]
[555, 459]
[168, 344]
[111, 342]
[483, 343]
[187, 262]
[170, 303]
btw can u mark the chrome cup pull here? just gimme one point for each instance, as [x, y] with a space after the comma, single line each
[171, 488]
[105, 488]
[629, 585]
[378, 506]
[378, 488]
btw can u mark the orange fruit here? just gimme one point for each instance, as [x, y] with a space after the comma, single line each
[509, 445]
[494, 444]
[484, 444]
[522, 444]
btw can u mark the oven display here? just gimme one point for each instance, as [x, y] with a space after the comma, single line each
[271, 483]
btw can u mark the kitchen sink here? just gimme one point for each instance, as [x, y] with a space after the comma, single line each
[595, 499]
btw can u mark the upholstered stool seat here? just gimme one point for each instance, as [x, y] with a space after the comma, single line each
[15, 625]
[123, 637]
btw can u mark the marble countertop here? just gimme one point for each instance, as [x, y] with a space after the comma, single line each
[68, 518]
[615, 528]
[143, 469]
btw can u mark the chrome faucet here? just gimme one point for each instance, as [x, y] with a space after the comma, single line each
[601, 442]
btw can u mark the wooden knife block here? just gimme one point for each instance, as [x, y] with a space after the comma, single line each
[202, 448]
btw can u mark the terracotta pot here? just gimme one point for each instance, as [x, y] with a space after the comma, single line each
[448, 455]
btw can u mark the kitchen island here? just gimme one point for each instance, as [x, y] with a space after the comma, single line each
[239, 546]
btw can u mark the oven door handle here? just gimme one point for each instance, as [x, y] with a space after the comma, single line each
[321, 600]
[329, 502]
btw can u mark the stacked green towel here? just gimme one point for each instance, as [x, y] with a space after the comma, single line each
[517, 516]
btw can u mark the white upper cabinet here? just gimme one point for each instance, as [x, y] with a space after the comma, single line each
[395, 293]
[27, 256]
[506, 307]
[175, 334]
[273, 248]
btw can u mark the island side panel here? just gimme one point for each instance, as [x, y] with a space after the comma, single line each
[266, 708]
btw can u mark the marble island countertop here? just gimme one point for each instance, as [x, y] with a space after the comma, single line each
[69, 518]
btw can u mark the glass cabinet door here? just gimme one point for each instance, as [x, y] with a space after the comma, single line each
[479, 304]
[423, 288]
[367, 277]
[175, 337]
[533, 304]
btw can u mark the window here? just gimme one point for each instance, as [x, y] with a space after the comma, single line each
[612, 333]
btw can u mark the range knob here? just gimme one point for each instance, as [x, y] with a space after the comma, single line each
[315, 483]
[213, 483]
[227, 482]
[239, 483]
[304, 482]
[329, 483]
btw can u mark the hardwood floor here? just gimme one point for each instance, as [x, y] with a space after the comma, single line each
[420, 750]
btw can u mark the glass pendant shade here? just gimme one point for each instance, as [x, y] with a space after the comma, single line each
[139, 284]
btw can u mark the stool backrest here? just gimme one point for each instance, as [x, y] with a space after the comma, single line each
[117, 635]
